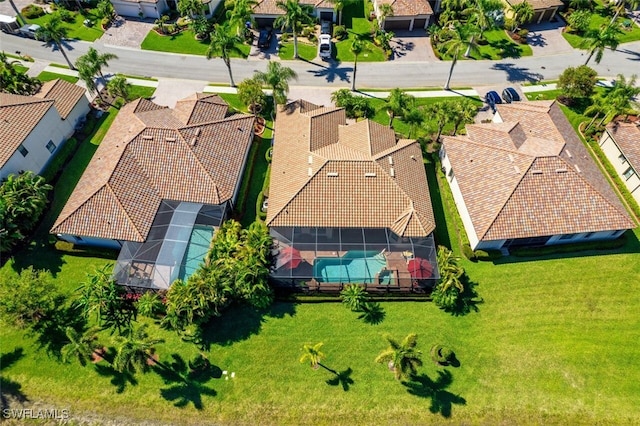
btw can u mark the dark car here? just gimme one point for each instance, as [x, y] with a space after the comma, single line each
[264, 38]
[492, 98]
[510, 95]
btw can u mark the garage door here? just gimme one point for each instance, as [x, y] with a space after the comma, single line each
[264, 22]
[400, 24]
[537, 15]
[326, 16]
[126, 9]
[419, 24]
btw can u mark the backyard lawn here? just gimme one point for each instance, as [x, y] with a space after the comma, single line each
[185, 42]
[76, 29]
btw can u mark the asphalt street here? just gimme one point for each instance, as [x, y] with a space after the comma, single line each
[625, 60]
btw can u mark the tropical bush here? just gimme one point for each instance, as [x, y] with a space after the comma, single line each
[449, 288]
[250, 93]
[32, 11]
[150, 305]
[577, 82]
[442, 355]
[340, 32]
[354, 296]
[65, 15]
[355, 106]
[14, 81]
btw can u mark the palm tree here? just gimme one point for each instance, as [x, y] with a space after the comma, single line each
[484, 16]
[523, 13]
[161, 21]
[240, 13]
[53, 32]
[82, 346]
[86, 74]
[191, 8]
[385, 10]
[621, 6]
[464, 111]
[339, 5]
[414, 117]
[354, 297]
[12, 81]
[134, 350]
[453, 46]
[118, 86]
[403, 358]
[17, 12]
[295, 15]
[450, 271]
[397, 102]
[277, 78]
[97, 60]
[614, 102]
[581, 4]
[223, 43]
[599, 40]
[314, 356]
[357, 46]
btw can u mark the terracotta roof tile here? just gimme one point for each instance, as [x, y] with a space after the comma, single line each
[627, 137]
[409, 7]
[270, 7]
[200, 108]
[66, 95]
[539, 4]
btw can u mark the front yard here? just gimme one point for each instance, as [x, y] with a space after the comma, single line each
[77, 29]
[185, 42]
[629, 30]
[497, 45]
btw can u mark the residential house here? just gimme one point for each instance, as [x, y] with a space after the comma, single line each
[140, 8]
[621, 144]
[408, 15]
[265, 12]
[348, 204]
[32, 128]
[527, 179]
[158, 185]
[544, 10]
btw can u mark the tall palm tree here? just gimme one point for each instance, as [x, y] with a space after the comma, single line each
[339, 5]
[581, 4]
[386, 10]
[86, 74]
[97, 60]
[397, 102]
[523, 13]
[295, 15]
[621, 6]
[484, 16]
[240, 12]
[53, 32]
[191, 8]
[598, 40]
[357, 46]
[459, 39]
[223, 43]
[402, 357]
[17, 12]
[277, 78]
[81, 345]
[450, 271]
[134, 350]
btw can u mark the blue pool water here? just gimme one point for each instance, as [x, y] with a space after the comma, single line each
[197, 249]
[354, 267]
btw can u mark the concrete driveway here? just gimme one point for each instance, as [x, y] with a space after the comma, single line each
[414, 46]
[546, 38]
[127, 32]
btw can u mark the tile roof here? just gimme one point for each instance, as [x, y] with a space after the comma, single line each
[66, 95]
[409, 7]
[627, 137]
[539, 4]
[327, 174]
[546, 184]
[148, 155]
[270, 7]
[19, 115]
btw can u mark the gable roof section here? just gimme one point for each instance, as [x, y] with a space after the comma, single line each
[200, 108]
[143, 160]
[19, 115]
[65, 95]
[627, 138]
[542, 185]
[352, 176]
[409, 7]
[539, 4]
[270, 7]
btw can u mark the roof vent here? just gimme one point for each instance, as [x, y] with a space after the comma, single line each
[568, 153]
[193, 141]
[577, 168]
[309, 172]
[516, 168]
[147, 137]
[536, 172]
[561, 170]
[373, 174]
[392, 172]
[391, 160]
[198, 131]
[310, 161]
[511, 158]
[332, 174]
[170, 139]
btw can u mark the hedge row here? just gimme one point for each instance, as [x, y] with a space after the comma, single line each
[59, 160]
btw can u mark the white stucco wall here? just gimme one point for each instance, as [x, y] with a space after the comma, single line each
[613, 153]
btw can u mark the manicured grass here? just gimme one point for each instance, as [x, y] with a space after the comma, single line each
[76, 29]
[499, 45]
[48, 76]
[306, 50]
[21, 69]
[136, 92]
[185, 42]
[577, 41]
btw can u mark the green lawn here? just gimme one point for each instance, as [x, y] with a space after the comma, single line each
[499, 45]
[632, 33]
[306, 50]
[76, 29]
[185, 42]
[136, 92]
[48, 76]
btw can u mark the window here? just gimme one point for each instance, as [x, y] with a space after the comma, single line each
[450, 174]
[622, 158]
[589, 234]
[24, 151]
[51, 146]
[567, 236]
[628, 173]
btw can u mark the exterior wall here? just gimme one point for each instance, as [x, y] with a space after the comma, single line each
[613, 153]
[91, 241]
[584, 237]
[490, 245]
[50, 128]
[459, 200]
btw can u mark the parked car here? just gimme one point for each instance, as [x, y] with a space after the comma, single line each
[324, 47]
[325, 27]
[510, 95]
[492, 98]
[29, 30]
[9, 24]
[264, 38]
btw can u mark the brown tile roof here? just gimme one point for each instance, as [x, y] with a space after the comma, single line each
[148, 155]
[65, 95]
[19, 115]
[539, 4]
[409, 7]
[270, 7]
[201, 108]
[627, 137]
[327, 174]
[538, 186]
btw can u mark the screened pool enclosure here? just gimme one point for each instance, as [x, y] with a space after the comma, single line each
[177, 243]
[328, 258]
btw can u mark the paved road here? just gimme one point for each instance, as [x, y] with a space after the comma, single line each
[626, 60]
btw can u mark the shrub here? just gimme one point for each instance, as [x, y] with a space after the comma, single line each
[354, 296]
[488, 255]
[523, 33]
[32, 11]
[306, 31]
[442, 354]
[312, 37]
[340, 32]
[468, 252]
[261, 215]
[66, 15]
[269, 154]
[285, 37]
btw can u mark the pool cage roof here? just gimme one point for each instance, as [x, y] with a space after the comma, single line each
[157, 262]
[301, 251]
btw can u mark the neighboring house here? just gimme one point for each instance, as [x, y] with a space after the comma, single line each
[158, 185]
[140, 8]
[544, 10]
[407, 15]
[348, 204]
[621, 144]
[265, 12]
[32, 128]
[527, 180]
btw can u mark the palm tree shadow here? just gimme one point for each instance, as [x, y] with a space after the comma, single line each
[469, 299]
[372, 313]
[186, 381]
[342, 378]
[119, 380]
[9, 389]
[442, 400]
[50, 332]
[332, 71]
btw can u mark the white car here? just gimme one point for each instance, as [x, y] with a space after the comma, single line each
[324, 47]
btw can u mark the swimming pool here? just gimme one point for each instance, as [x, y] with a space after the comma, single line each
[354, 266]
[197, 249]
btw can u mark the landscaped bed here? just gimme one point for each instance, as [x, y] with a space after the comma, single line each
[185, 42]
[629, 33]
